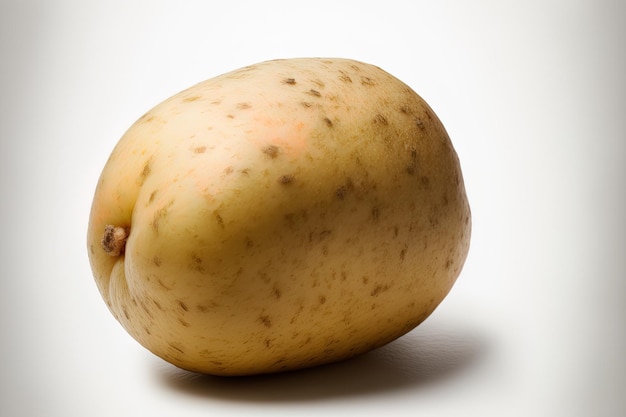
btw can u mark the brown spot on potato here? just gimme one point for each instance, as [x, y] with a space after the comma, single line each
[145, 308]
[243, 106]
[380, 119]
[305, 104]
[403, 253]
[158, 217]
[318, 83]
[289, 81]
[412, 166]
[177, 347]
[367, 81]
[156, 261]
[230, 116]
[218, 219]
[322, 299]
[328, 122]
[152, 195]
[182, 305]
[375, 213]
[228, 170]
[419, 123]
[286, 179]
[191, 98]
[314, 93]
[146, 118]
[271, 150]
[165, 287]
[199, 149]
[378, 289]
[147, 169]
[196, 263]
[344, 77]
[265, 320]
[276, 292]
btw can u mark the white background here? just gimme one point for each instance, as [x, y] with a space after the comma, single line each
[533, 94]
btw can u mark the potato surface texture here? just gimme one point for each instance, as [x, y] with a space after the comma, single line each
[284, 215]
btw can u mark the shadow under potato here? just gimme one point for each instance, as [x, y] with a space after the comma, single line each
[423, 357]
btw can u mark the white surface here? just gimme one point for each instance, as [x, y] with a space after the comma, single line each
[533, 94]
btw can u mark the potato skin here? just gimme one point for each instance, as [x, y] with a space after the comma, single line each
[284, 215]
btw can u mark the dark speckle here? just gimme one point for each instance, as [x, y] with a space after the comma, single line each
[322, 299]
[156, 261]
[159, 215]
[344, 77]
[375, 213]
[176, 347]
[305, 104]
[314, 93]
[367, 81]
[412, 166]
[196, 263]
[243, 106]
[419, 123]
[147, 169]
[265, 320]
[199, 149]
[328, 122]
[379, 118]
[218, 218]
[379, 289]
[277, 292]
[289, 81]
[182, 305]
[191, 98]
[286, 179]
[271, 151]
[341, 192]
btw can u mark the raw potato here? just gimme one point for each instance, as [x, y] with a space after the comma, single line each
[284, 215]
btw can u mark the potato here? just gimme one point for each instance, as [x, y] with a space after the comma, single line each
[284, 215]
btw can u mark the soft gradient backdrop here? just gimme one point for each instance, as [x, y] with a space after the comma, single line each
[533, 94]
